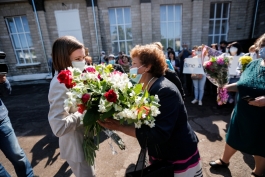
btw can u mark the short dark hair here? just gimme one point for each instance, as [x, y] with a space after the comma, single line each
[172, 53]
[224, 42]
[62, 48]
[237, 45]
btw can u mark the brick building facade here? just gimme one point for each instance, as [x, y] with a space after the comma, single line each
[120, 25]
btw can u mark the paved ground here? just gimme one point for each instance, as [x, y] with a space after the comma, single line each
[28, 109]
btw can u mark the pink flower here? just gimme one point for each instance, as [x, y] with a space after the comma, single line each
[90, 70]
[208, 64]
[220, 61]
[117, 72]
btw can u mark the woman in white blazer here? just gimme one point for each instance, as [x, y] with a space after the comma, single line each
[67, 51]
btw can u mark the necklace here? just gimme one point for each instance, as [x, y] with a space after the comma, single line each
[149, 82]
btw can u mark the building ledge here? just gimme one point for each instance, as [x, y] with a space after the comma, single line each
[27, 65]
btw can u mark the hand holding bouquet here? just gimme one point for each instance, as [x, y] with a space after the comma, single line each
[99, 93]
[217, 72]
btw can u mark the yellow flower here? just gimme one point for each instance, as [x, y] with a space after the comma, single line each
[109, 67]
[245, 60]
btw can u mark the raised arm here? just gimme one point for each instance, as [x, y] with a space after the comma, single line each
[5, 87]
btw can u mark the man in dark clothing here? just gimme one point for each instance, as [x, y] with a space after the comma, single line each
[185, 53]
[8, 140]
[173, 77]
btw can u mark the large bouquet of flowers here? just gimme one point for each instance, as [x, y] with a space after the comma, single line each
[99, 93]
[244, 61]
[217, 72]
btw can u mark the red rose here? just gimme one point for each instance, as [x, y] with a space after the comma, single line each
[81, 108]
[99, 77]
[90, 70]
[65, 77]
[85, 98]
[111, 96]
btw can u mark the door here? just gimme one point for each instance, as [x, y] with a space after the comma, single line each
[68, 23]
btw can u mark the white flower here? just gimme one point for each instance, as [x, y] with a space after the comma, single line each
[156, 98]
[138, 124]
[143, 115]
[101, 106]
[154, 111]
[138, 100]
[152, 124]
[132, 94]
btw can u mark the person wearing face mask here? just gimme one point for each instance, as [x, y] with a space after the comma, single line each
[172, 135]
[198, 84]
[67, 51]
[117, 67]
[223, 46]
[246, 131]
[185, 53]
[253, 53]
[234, 49]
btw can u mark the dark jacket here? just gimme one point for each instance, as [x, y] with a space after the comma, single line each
[172, 138]
[5, 90]
[173, 77]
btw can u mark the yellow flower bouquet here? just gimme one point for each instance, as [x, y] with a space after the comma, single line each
[245, 60]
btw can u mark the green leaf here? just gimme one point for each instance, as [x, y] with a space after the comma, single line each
[146, 94]
[137, 88]
[91, 118]
[104, 85]
[107, 114]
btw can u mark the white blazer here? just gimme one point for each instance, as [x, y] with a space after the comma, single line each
[65, 125]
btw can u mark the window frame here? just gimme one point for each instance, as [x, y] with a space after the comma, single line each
[220, 34]
[175, 47]
[124, 24]
[17, 33]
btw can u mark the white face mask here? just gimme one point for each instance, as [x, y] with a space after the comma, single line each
[135, 77]
[198, 53]
[233, 50]
[79, 64]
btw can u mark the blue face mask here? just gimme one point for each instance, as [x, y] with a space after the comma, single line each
[262, 53]
[134, 76]
[112, 62]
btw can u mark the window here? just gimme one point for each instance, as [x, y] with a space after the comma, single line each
[21, 39]
[170, 24]
[120, 29]
[218, 24]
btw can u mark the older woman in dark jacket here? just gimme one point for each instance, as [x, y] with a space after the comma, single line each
[172, 139]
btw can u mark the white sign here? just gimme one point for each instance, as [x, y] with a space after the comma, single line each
[193, 66]
[233, 65]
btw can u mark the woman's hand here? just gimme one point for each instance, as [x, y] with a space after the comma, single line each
[110, 124]
[259, 101]
[231, 87]
[115, 125]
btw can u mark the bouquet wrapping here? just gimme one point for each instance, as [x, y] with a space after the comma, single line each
[98, 93]
[217, 72]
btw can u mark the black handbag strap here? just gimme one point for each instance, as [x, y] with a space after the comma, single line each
[142, 152]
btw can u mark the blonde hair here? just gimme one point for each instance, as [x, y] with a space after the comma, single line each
[259, 41]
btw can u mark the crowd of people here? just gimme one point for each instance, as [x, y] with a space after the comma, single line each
[172, 139]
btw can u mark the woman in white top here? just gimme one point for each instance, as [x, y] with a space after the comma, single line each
[234, 49]
[199, 83]
[68, 51]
